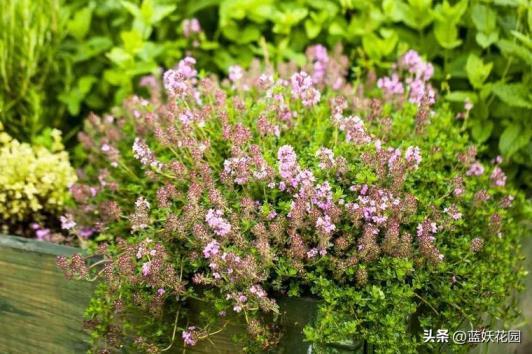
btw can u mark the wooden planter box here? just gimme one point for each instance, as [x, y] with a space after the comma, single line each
[41, 312]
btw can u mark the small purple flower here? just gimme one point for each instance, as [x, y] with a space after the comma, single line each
[217, 223]
[189, 336]
[312, 253]
[476, 169]
[190, 27]
[325, 224]
[498, 177]
[67, 222]
[211, 249]
[146, 268]
[235, 73]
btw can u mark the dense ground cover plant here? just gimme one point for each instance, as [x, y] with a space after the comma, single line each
[366, 195]
[34, 182]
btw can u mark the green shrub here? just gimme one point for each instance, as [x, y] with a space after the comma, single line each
[31, 73]
[258, 187]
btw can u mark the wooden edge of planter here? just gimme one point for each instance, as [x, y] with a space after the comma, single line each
[33, 245]
[40, 311]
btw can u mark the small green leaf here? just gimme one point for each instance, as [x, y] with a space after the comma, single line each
[477, 71]
[79, 25]
[482, 130]
[462, 96]
[512, 139]
[446, 34]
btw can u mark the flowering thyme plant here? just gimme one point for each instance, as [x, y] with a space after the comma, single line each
[294, 183]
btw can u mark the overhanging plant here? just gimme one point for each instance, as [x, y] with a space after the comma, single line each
[366, 196]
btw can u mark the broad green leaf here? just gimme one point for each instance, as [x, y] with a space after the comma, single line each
[85, 83]
[513, 138]
[312, 28]
[485, 40]
[477, 71]
[91, 48]
[515, 95]
[119, 56]
[79, 25]
[162, 11]
[482, 130]
[450, 14]
[147, 11]
[511, 49]
[484, 18]
[462, 96]
[395, 10]
[446, 34]
[132, 41]
[418, 14]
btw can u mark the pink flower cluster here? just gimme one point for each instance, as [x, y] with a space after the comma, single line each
[217, 223]
[180, 82]
[302, 89]
[190, 27]
[143, 153]
[190, 336]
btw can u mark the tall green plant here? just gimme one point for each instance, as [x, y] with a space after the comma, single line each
[30, 37]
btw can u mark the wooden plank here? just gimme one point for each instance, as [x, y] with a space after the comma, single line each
[40, 311]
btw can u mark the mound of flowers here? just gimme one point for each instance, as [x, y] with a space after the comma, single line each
[365, 195]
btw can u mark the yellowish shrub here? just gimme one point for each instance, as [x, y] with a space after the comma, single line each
[33, 179]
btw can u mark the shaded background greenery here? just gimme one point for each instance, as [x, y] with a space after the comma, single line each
[60, 60]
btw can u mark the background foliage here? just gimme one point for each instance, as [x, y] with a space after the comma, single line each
[91, 53]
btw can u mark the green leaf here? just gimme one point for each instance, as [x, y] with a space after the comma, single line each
[485, 40]
[484, 18]
[482, 130]
[162, 11]
[511, 49]
[523, 38]
[515, 95]
[132, 41]
[79, 25]
[446, 34]
[131, 8]
[450, 14]
[477, 71]
[512, 139]
[119, 56]
[312, 28]
[462, 96]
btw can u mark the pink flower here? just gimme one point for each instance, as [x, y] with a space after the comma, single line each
[217, 223]
[287, 161]
[498, 177]
[211, 249]
[191, 26]
[235, 73]
[67, 223]
[476, 169]
[146, 268]
[324, 224]
[391, 85]
[413, 155]
[189, 336]
[302, 88]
